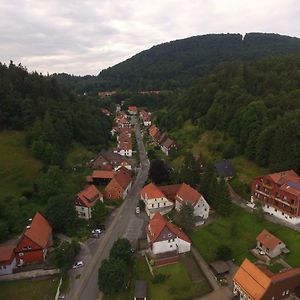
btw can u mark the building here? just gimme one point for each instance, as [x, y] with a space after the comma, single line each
[140, 290]
[165, 237]
[145, 117]
[7, 259]
[279, 195]
[164, 198]
[155, 200]
[224, 169]
[85, 201]
[33, 245]
[270, 244]
[100, 177]
[106, 112]
[250, 283]
[106, 94]
[132, 110]
[119, 186]
[167, 145]
[124, 147]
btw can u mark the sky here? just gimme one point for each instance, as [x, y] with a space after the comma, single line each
[85, 36]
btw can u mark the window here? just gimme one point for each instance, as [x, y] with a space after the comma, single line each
[283, 293]
[171, 246]
[21, 254]
[152, 205]
[169, 234]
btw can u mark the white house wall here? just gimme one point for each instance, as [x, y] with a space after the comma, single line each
[83, 212]
[8, 268]
[183, 246]
[156, 203]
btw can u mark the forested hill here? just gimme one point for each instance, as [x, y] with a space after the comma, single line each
[177, 63]
[51, 115]
[256, 103]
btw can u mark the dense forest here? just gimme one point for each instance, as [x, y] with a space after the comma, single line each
[176, 64]
[52, 116]
[256, 103]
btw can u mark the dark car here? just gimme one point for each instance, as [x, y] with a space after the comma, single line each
[102, 227]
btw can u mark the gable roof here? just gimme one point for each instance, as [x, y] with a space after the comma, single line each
[158, 223]
[252, 280]
[123, 178]
[188, 194]
[151, 191]
[268, 240]
[89, 195]
[102, 174]
[170, 190]
[6, 254]
[224, 168]
[39, 231]
[132, 108]
[168, 143]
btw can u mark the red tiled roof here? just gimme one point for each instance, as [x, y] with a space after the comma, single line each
[252, 280]
[101, 174]
[6, 254]
[132, 108]
[188, 194]
[151, 191]
[268, 240]
[170, 190]
[158, 223]
[40, 230]
[122, 178]
[89, 195]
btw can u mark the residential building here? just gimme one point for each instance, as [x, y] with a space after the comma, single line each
[164, 198]
[279, 195]
[106, 112]
[7, 259]
[132, 110]
[85, 201]
[119, 186]
[165, 237]
[224, 169]
[252, 283]
[33, 245]
[106, 94]
[146, 118]
[270, 244]
[155, 200]
[167, 145]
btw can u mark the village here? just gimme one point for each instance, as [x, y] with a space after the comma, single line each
[145, 213]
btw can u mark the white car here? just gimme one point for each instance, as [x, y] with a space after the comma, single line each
[137, 210]
[261, 252]
[96, 231]
[78, 264]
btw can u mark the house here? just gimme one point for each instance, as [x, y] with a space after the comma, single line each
[119, 186]
[270, 244]
[187, 194]
[140, 290]
[224, 169]
[106, 94]
[146, 118]
[124, 147]
[106, 112]
[155, 200]
[132, 110]
[165, 237]
[154, 132]
[33, 245]
[250, 282]
[164, 198]
[279, 195]
[167, 145]
[7, 259]
[85, 200]
[100, 177]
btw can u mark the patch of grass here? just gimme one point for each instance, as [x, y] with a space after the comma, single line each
[18, 168]
[29, 289]
[78, 156]
[276, 268]
[239, 232]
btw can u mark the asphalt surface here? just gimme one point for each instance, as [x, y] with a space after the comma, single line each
[85, 287]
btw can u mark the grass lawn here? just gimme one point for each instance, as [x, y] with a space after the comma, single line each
[18, 167]
[29, 289]
[275, 268]
[239, 232]
[178, 285]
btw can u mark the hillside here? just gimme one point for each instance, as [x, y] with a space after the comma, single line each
[177, 63]
[256, 104]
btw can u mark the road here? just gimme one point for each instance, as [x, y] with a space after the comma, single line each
[86, 286]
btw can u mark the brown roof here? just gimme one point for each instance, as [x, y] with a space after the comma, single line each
[268, 240]
[158, 223]
[123, 178]
[89, 196]
[101, 174]
[168, 143]
[170, 190]
[151, 191]
[6, 254]
[39, 231]
[252, 280]
[187, 194]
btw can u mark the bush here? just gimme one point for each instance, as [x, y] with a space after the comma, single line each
[224, 252]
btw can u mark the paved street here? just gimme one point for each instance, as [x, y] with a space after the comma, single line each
[86, 287]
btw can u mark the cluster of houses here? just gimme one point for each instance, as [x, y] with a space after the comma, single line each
[31, 247]
[161, 139]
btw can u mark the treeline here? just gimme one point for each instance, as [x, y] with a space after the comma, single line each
[51, 115]
[257, 104]
[177, 64]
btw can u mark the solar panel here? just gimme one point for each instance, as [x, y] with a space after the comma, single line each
[294, 185]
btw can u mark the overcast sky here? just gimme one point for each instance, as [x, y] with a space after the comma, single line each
[84, 36]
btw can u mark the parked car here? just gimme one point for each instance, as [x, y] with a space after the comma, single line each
[102, 227]
[137, 210]
[96, 231]
[95, 235]
[78, 264]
